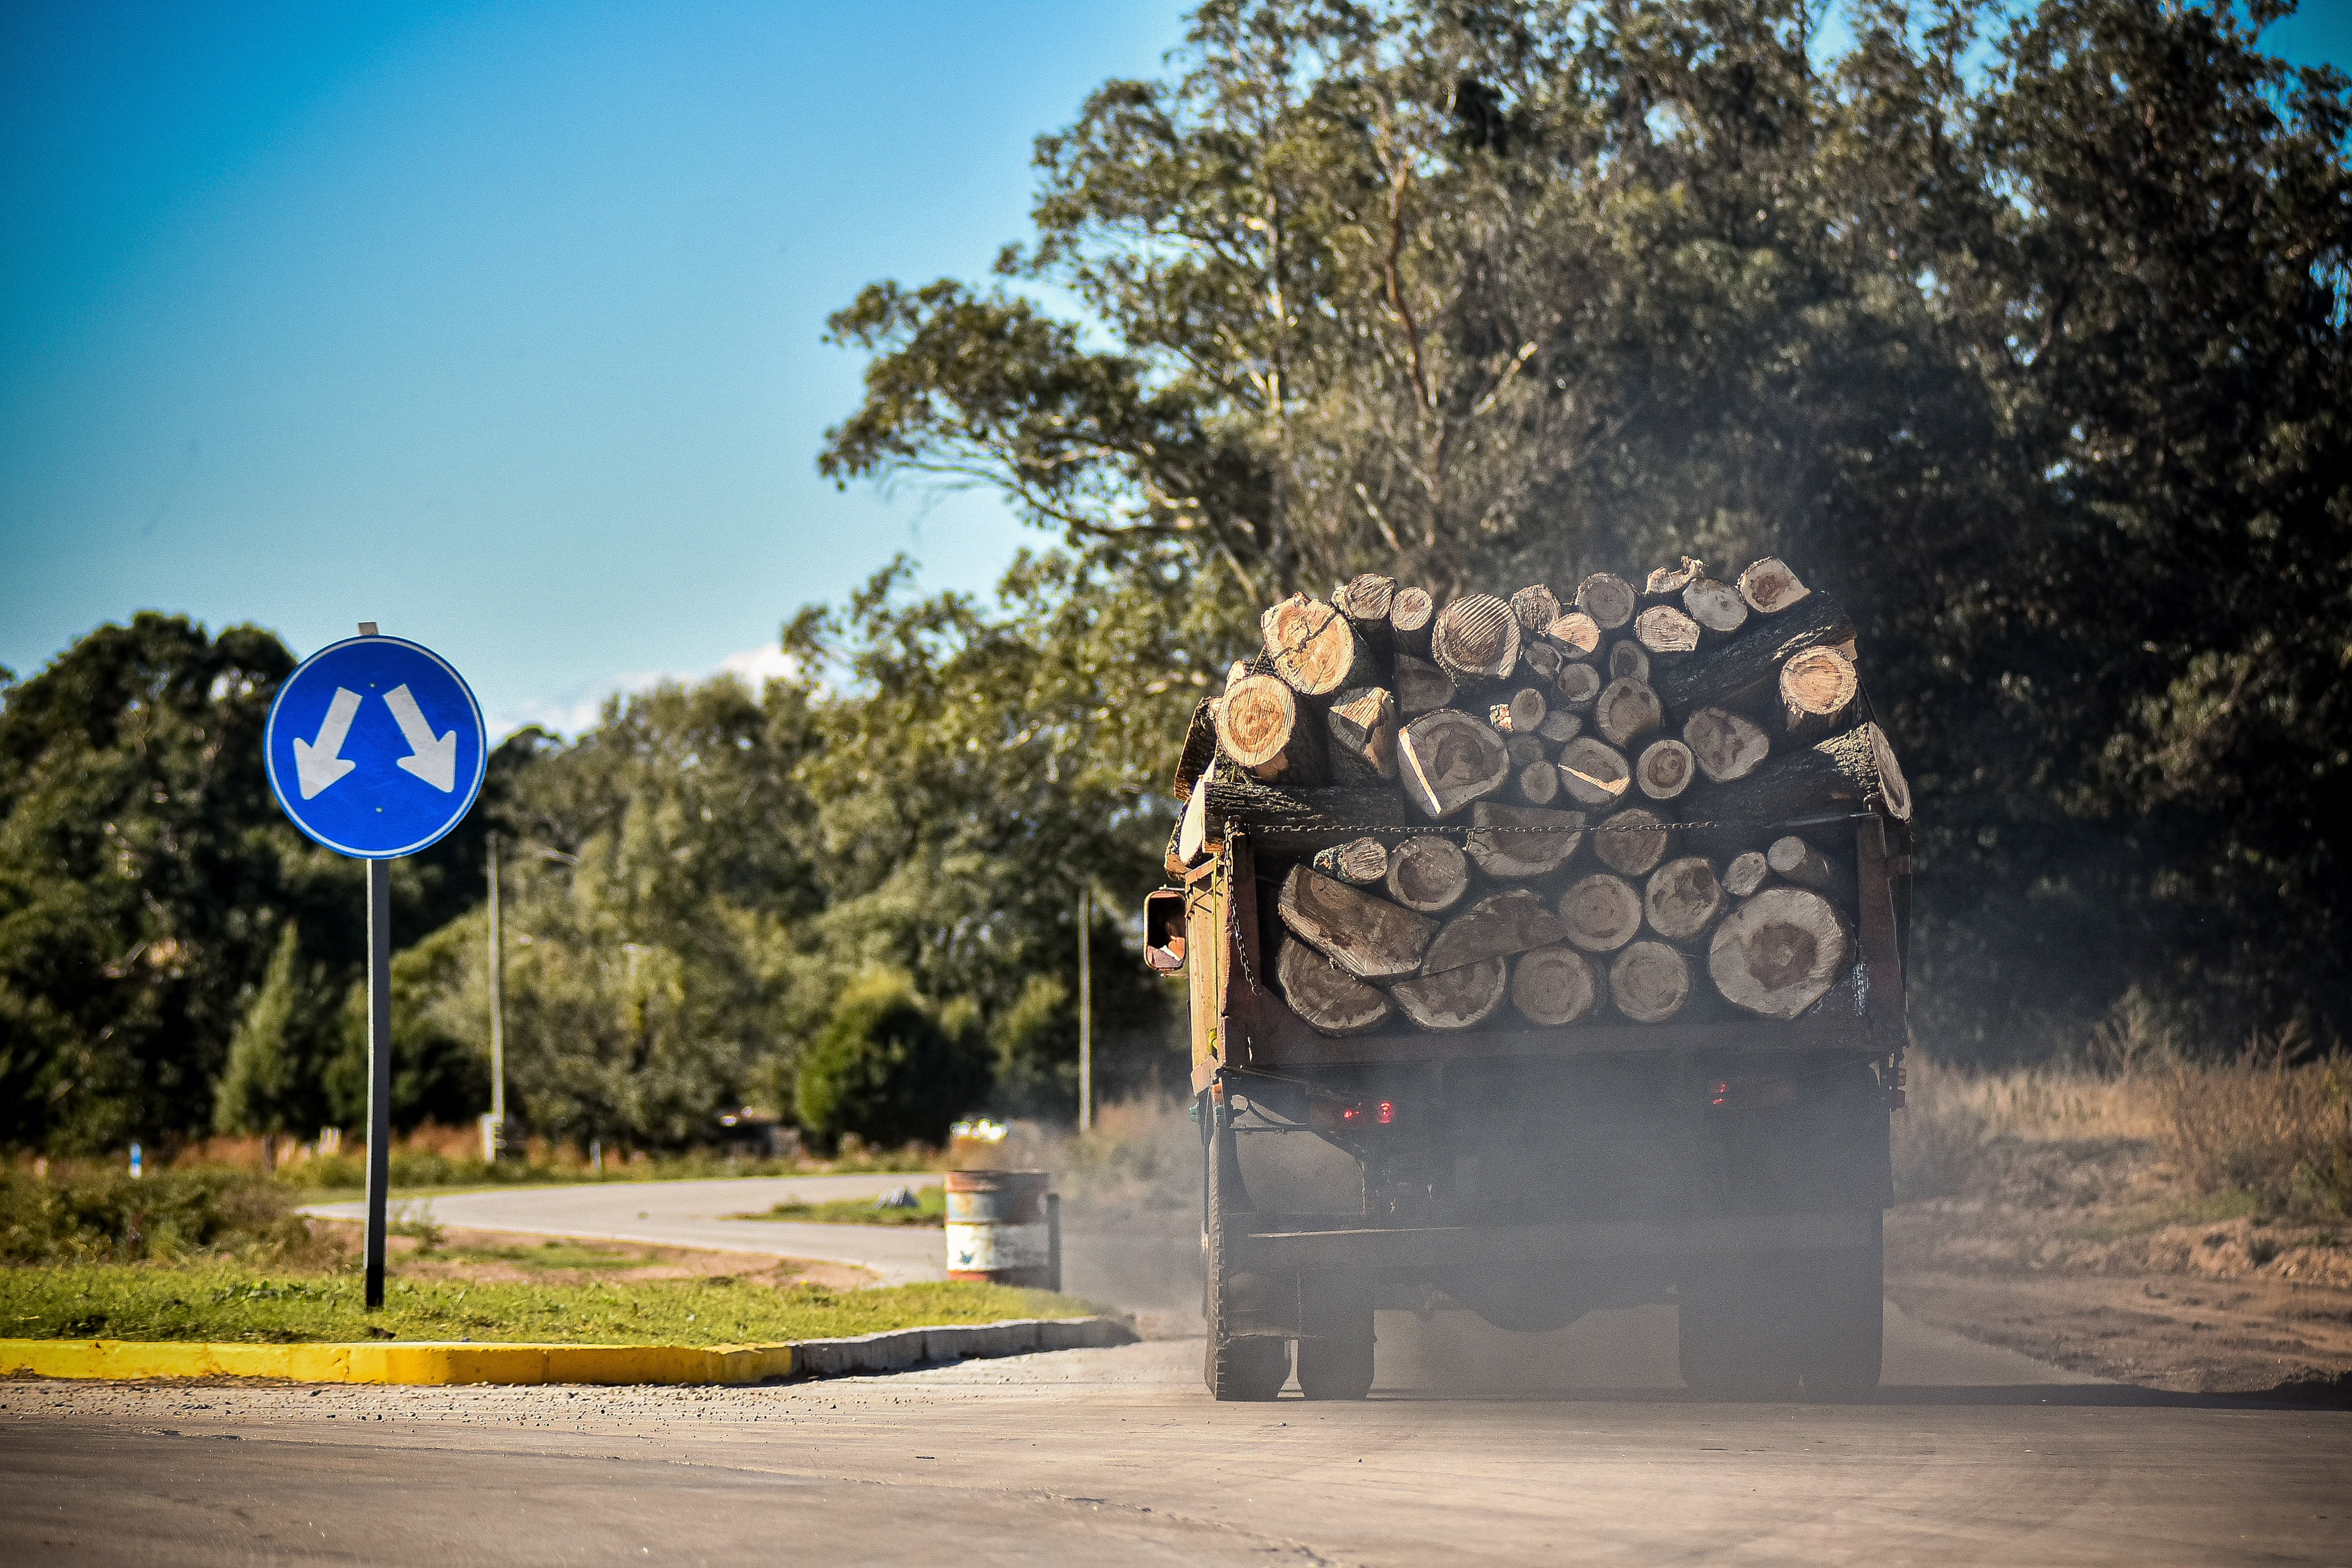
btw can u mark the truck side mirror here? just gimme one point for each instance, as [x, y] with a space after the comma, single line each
[1163, 932]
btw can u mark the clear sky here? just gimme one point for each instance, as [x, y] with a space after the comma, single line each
[497, 324]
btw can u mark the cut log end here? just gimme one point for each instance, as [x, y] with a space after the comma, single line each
[1725, 745]
[1365, 935]
[1536, 608]
[1608, 598]
[1663, 629]
[1329, 998]
[1628, 709]
[1428, 874]
[1793, 860]
[1664, 770]
[1602, 912]
[1420, 687]
[1770, 587]
[1633, 841]
[1575, 634]
[1368, 599]
[1455, 998]
[1818, 688]
[1495, 926]
[1667, 581]
[1778, 952]
[1540, 658]
[1475, 638]
[1538, 783]
[1520, 842]
[1715, 606]
[1360, 862]
[1523, 714]
[1893, 789]
[1649, 982]
[1409, 614]
[1553, 985]
[1313, 646]
[1257, 722]
[1363, 721]
[1745, 873]
[1682, 898]
[1594, 772]
[1629, 660]
[1447, 760]
[1578, 687]
[1559, 726]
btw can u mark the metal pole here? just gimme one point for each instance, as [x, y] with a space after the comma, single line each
[1085, 1014]
[497, 1008]
[379, 1166]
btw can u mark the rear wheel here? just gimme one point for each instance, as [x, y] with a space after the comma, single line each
[1766, 1328]
[1335, 1352]
[1234, 1366]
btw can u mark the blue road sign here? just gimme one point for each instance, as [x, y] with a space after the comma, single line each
[376, 747]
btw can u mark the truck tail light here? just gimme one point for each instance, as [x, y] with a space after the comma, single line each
[1751, 1093]
[1348, 1115]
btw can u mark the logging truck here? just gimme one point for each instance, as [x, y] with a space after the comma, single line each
[1511, 995]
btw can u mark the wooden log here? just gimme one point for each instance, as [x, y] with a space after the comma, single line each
[1628, 660]
[1193, 827]
[1649, 982]
[1315, 648]
[1608, 598]
[1631, 841]
[1818, 689]
[1428, 874]
[1359, 862]
[1409, 614]
[1770, 587]
[1200, 748]
[1682, 898]
[1778, 952]
[1794, 860]
[1476, 637]
[1715, 606]
[1601, 913]
[1663, 630]
[1517, 853]
[1576, 635]
[1235, 672]
[1578, 688]
[1496, 926]
[1741, 667]
[1368, 937]
[1365, 601]
[1329, 998]
[1521, 713]
[1628, 709]
[1420, 687]
[1593, 772]
[1725, 745]
[1559, 726]
[1553, 985]
[1857, 768]
[1540, 659]
[1668, 581]
[1447, 760]
[1454, 998]
[1537, 783]
[1749, 870]
[1663, 769]
[1294, 821]
[1361, 728]
[1523, 749]
[1260, 727]
[1536, 608]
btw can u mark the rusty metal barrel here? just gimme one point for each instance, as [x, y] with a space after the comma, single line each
[1003, 1229]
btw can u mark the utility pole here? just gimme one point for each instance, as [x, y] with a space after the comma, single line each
[1085, 1014]
[494, 1129]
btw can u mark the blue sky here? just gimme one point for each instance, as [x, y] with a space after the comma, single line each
[498, 324]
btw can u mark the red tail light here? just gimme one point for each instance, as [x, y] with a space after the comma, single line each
[1350, 1114]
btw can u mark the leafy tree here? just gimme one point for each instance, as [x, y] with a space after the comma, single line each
[886, 1070]
[264, 1086]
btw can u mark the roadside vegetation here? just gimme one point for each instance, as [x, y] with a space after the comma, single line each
[928, 1208]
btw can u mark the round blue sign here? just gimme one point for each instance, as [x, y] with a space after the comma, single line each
[376, 747]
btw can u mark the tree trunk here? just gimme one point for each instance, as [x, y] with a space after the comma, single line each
[1259, 726]
[1200, 747]
[1575, 634]
[1448, 759]
[1420, 687]
[1476, 637]
[1410, 615]
[1857, 768]
[1553, 985]
[1334, 1000]
[1579, 686]
[1631, 841]
[1741, 667]
[1777, 953]
[1725, 745]
[1368, 937]
[1362, 729]
[1628, 709]
[1649, 982]
[1522, 714]
[1770, 587]
[1818, 688]
[1359, 862]
[1663, 769]
[1628, 660]
[1668, 581]
[1287, 821]
[1663, 629]
[1608, 598]
[1537, 783]
[1602, 912]
[1454, 998]
[1683, 898]
[1715, 606]
[1593, 772]
[1428, 874]
[1517, 854]
[1315, 648]
[1747, 871]
[1495, 926]
[1794, 860]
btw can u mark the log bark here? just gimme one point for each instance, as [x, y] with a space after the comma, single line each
[1576, 635]
[1602, 912]
[1631, 841]
[1496, 926]
[1410, 615]
[1770, 587]
[1517, 854]
[1668, 581]
[1725, 745]
[1200, 748]
[1715, 606]
[1682, 898]
[1818, 689]
[1749, 870]
[1593, 772]
[1294, 821]
[1261, 727]
[1359, 862]
[1663, 629]
[1428, 874]
[1649, 982]
[1447, 760]
[1368, 937]
[1608, 598]
[1578, 687]
[1537, 783]
[1536, 608]
[1745, 666]
[1329, 998]
[1663, 769]
[1857, 768]
[1628, 709]
[1794, 860]
[1476, 637]
[1553, 985]
[1420, 687]
[1315, 648]
[1628, 660]
[1362, 726]
[1778, 952]
[1559, 727]
[1522, 713]
[1454, 998]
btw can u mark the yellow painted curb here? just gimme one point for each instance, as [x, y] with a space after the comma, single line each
[426, 1363]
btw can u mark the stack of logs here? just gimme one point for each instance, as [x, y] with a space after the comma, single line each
[1576, 809]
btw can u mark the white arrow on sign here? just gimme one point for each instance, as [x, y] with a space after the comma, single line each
[317, 764]
[432, 758]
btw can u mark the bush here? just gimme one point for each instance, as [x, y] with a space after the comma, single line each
[886, 1071]
[2259, 1125]
[108, 1216]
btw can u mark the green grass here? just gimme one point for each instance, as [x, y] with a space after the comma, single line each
[930, 1208]
[228, 1301]
[2209, 1210]
[546, 1255]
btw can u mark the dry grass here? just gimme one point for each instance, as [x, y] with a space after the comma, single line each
[2259, 1125]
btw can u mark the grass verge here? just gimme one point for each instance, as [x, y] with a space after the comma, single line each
[931, 1209]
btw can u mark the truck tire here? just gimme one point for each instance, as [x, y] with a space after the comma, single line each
[1252, 1368]
[1766, 1328]
[1731, 1342]
[1839, 1356]
[1335, 1353]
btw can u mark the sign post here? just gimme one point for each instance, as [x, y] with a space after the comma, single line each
[375, 749]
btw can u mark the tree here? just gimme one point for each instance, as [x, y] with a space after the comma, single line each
[264, 1086]
[885, 1071]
